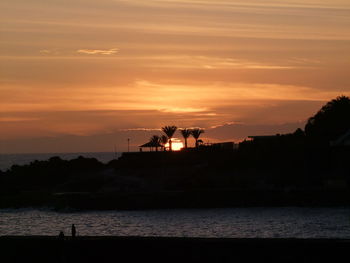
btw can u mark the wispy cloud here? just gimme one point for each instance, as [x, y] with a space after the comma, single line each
[141, 129]
[183, 109]
[168, 97]
[203, 4]
[17, 119]
[222, 63]
[47, 51]
[224, 124]
[111, 51]
[210, 62]
[184, 95]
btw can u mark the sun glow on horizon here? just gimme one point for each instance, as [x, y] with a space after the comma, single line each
[176, 145]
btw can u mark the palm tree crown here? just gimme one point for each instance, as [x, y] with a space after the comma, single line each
[169, 131]
[186, 133]
[196, 133]
[155, 140]
[163, 139]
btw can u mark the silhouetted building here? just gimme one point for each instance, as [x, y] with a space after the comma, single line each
[151, 145]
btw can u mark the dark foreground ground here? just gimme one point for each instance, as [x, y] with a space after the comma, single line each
[157, 249]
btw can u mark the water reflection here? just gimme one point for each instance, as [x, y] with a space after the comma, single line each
[235, 222]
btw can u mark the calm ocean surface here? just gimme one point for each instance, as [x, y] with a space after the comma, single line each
[7, 160]
[229, 222]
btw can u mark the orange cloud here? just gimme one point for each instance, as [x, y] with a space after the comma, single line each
[17, 119]
[111, 51]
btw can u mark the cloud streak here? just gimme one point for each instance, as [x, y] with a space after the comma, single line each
[17, 119]
[111, 51]
[209, 62]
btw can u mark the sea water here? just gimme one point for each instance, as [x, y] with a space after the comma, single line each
[280, 222]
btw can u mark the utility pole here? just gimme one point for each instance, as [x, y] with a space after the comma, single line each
[128, 144]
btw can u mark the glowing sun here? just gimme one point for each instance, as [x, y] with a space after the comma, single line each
[176, 145]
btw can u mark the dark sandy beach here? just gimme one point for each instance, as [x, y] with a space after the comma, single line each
[167, 249]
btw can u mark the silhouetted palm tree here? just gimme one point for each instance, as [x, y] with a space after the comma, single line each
[163, 140]
[186, 133]
[169, 131]
[196, 133]
[155, 140]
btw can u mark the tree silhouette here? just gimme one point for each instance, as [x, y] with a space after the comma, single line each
[196, 133]
[331, 121]
[169, 131]
[155, 141]
[163, 140]
[186, 133]
[299, 133]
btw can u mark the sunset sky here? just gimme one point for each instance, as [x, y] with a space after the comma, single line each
[85, 75]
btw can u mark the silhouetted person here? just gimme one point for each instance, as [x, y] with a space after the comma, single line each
[61, 235]
[74, 232]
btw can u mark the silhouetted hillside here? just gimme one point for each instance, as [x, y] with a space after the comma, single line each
[288, 169]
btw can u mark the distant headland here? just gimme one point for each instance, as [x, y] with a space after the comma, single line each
[309, 167]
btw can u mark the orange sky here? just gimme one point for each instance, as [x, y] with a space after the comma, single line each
[83, 75]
